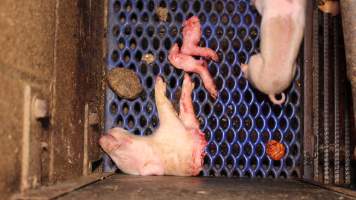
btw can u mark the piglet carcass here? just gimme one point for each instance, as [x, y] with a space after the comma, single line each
[177, 147]
[183, 58]
[282, 28]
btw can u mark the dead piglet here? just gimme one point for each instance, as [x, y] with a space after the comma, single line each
[175, 148]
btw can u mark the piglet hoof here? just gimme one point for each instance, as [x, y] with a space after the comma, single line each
[215, 57]
[275, 101]
[214, 93]
[244, 70]
[160, 85]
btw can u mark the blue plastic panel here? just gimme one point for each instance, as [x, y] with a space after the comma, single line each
[240, 122]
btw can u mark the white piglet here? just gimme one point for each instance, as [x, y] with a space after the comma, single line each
[272, 70]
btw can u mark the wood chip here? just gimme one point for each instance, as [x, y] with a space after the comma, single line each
[162, 13]
[148, 58]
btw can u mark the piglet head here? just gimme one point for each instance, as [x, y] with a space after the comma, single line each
[123, 150]
[132, 154]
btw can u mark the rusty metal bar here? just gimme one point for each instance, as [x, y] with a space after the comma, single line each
[308, 138]
[337, 130]
[348, 8]
[347, 140]
[326, 88]
[316, 93]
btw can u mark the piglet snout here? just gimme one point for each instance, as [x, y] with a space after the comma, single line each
[108, 143]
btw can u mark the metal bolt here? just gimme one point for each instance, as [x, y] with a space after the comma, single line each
[40, 108]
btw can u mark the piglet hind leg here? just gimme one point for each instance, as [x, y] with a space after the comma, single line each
[255, 63]
[187, 114]
[208, 80]
[186, 109]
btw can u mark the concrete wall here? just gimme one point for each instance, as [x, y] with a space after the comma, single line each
[52, 50]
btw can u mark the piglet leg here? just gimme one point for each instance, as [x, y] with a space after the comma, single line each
[166, 113]
[191, 123]
[186, 110]
[195, 50]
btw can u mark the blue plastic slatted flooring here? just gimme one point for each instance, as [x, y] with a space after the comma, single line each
[240, 122]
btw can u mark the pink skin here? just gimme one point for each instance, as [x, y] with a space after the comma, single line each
[282, 29]
[186, 109]
[191, 37]
[188, 64]
[175, 148]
